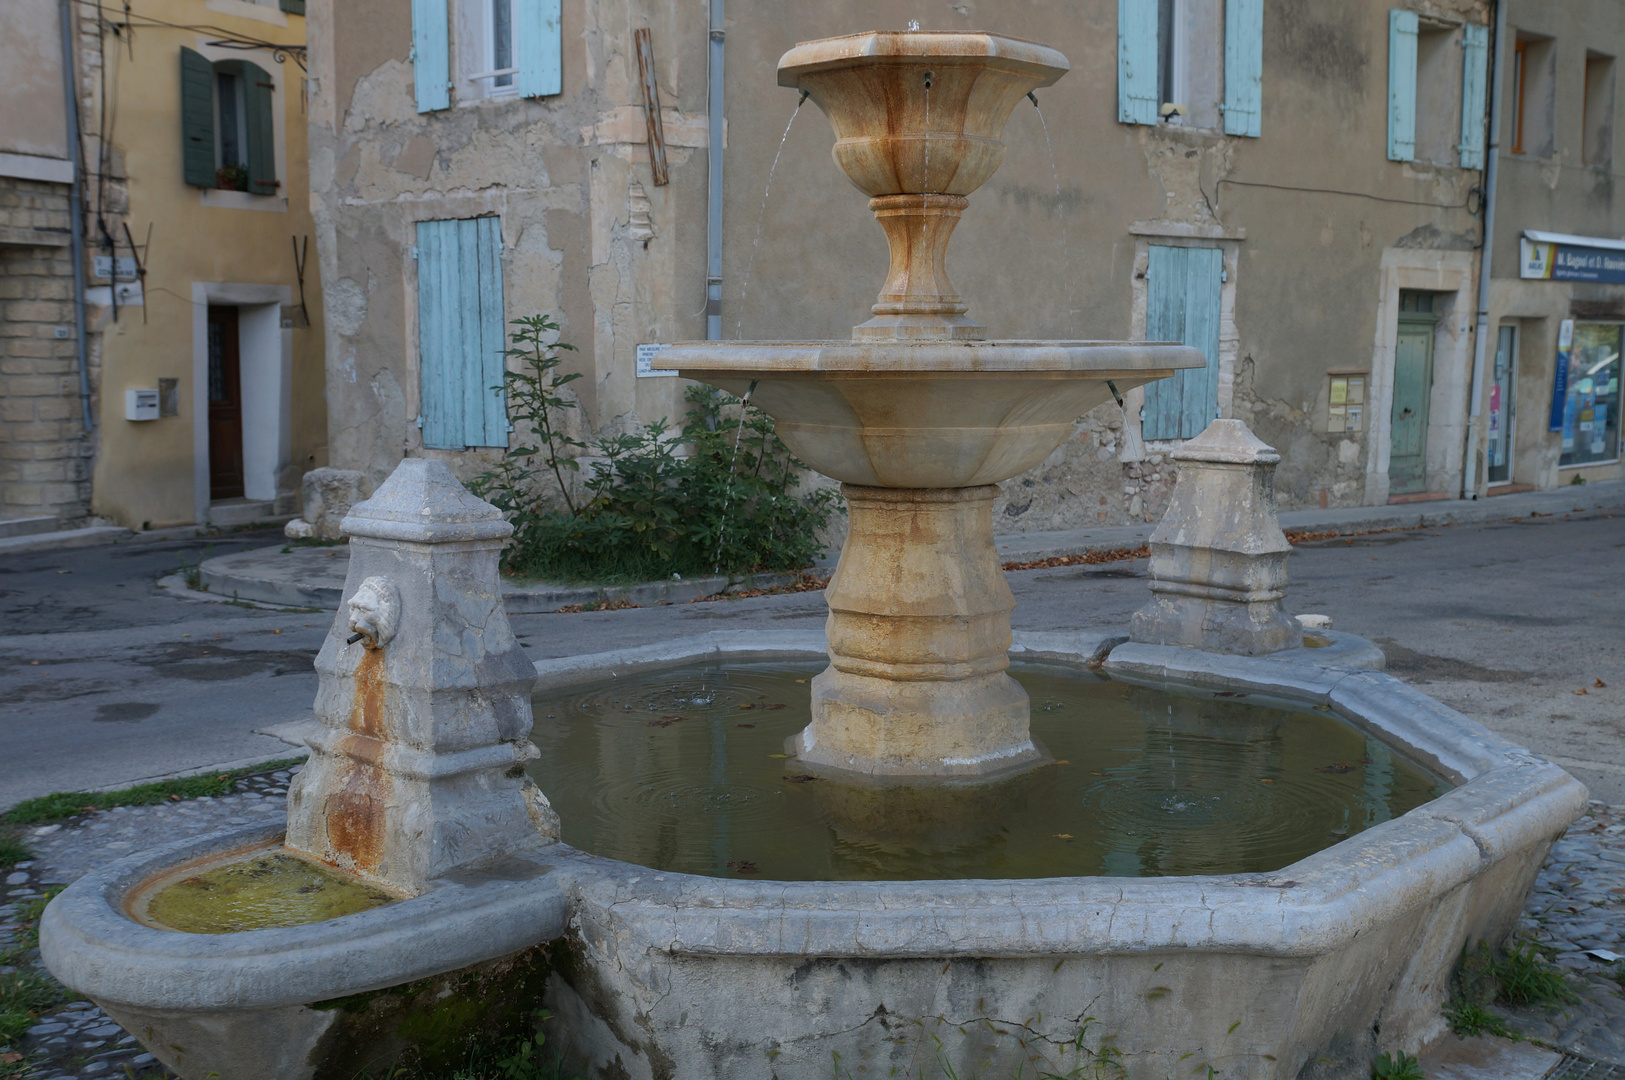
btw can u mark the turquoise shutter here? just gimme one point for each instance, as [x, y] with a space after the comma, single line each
[1165, 293]
[1182, 304]
[461, 334]
[1475, 48]
[1137, 61]
[197, 119]
[438, 331]
[538, 47]
[257, 91]
[1402, 86]
[431, 55]
[1243, 67]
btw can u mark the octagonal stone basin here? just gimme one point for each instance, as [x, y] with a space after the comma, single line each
[1303, 972]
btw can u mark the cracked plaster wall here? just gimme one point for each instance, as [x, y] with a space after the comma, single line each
[1045, 249]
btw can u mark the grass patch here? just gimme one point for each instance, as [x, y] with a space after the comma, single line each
[67, 804]
[13, 851]
[24, 995]
[1516, 976]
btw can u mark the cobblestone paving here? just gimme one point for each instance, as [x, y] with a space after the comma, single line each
[1576, 908]
[78, 1040]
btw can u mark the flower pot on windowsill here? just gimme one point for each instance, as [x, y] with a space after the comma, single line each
[232, 178]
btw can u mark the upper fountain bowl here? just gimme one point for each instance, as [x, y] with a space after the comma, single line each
[917, 112]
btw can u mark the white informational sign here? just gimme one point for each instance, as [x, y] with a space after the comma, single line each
[646, 355]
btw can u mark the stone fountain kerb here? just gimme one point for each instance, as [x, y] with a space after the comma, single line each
[668, 975]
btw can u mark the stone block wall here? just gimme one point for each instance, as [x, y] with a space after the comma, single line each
[44, 456]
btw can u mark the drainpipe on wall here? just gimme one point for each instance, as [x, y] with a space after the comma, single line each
[1481, 335]
[713, 211]
[76, 217]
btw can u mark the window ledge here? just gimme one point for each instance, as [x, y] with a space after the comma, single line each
[242, 200]
[1187, 230]
[247, 9]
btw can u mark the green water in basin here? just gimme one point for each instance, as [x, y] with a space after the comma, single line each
[684, 770]
[259, 891]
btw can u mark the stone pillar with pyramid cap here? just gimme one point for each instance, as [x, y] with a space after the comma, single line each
[1218, 557]
[424, 701]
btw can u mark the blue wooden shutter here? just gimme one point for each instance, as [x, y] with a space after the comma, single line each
[431, 55]
[1164, 321]
[538, 47]
[1402, 86]
[257, 91]
[1182, 304]
[1137, 61]
[1475, 47]
[1243, 67]
[197, 119]
[461, 334]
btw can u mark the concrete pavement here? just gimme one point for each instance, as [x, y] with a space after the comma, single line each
[106, 680]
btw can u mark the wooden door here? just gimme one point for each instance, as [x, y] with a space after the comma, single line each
[1408, 423]
[225, 406]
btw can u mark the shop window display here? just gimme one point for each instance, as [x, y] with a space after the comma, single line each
[1591, 407]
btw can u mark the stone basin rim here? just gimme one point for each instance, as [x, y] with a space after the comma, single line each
[980, 47]
[888, 359]
[1508, 799]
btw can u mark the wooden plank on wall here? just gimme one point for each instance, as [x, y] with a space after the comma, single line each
[651, 105]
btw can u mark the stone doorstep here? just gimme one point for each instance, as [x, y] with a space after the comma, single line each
[63, 539]
[314, 577]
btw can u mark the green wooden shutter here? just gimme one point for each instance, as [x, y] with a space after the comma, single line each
[1183, 290]
[538, 47]
[461, 333]
[1243, 67]
[431, 55]
[1402, 86]
[293, 7]
[1137, 61]
[1475, 47]
[257, 91]
[197, 119]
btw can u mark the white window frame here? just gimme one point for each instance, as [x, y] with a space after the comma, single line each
[475, 53]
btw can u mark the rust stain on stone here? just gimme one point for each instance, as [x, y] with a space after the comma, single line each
[356, 812]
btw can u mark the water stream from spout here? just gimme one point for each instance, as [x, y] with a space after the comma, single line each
[761, 212]
[925, 177]
[1066, 274]
[728, 492]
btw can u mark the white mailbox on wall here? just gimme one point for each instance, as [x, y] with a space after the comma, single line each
[141, 404]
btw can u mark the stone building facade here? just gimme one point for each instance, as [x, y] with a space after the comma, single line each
[196, 393]
[1326, 235]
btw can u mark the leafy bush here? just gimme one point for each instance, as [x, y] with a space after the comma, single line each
[647, 511]
[1403, 1067]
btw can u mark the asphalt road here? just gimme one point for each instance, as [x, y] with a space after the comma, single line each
[107, 680]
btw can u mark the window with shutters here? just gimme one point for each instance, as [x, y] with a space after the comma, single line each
[1437, 90]
[228, 129]
[500, 48]
[1194, 63]
[1183, 291]
[462, 335]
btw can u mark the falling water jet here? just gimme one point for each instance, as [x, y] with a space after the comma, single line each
[1066, 271]
[733, 461]
[761, 212]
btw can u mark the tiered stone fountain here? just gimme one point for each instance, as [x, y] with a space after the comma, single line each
[417, 789]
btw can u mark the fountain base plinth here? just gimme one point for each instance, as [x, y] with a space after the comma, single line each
[919, 637]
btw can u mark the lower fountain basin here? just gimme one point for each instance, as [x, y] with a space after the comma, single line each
[934, 414]
[1317, 964]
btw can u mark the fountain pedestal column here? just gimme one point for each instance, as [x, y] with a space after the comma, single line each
[919, 633]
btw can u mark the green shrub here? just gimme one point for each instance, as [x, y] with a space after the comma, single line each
[730, 504]
[1403, 1067]
[1525, 978]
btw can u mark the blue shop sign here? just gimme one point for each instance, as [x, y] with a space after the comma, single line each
[1544, 256]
